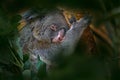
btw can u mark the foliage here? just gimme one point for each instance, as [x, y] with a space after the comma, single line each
[105, 12]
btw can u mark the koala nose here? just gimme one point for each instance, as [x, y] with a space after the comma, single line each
[59, 37]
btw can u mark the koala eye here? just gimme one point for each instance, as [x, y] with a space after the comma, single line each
[53, 27]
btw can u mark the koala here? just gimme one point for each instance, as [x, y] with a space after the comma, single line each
[51, 38]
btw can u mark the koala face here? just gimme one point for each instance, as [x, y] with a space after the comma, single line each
[51, 29]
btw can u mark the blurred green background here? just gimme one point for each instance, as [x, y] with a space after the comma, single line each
[105, 66]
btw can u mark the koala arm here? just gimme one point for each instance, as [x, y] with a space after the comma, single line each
[74, 33]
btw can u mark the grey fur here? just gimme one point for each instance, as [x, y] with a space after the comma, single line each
[36, 37]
